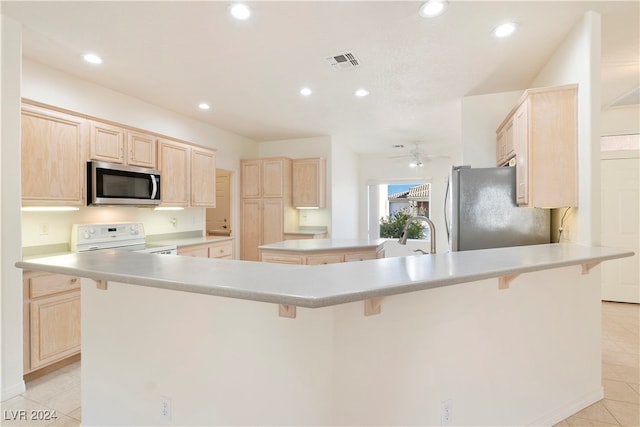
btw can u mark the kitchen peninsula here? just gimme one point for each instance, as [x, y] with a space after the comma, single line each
[205, 335]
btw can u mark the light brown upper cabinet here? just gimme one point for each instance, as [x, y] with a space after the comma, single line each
[309, 183]
[203, 177]
[269, 177]
[188, 174]
[116, 144]
[53, 168]
[173, 162]
[544, 129]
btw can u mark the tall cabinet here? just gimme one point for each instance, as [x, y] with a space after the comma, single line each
[266, 206]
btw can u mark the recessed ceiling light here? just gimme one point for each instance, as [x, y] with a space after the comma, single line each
[362, 93]
[204, 106]
[305, 91]
[92, 58]
[240, 11]
[432, 8]
[504, 30]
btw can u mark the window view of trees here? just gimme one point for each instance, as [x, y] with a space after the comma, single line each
[399, 203]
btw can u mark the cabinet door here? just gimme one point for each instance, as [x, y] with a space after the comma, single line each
[54, 328]
[272, 221]
[251, 178]
[53, 162]
[173, 163]
[309, 183]
[251, 233]
[273, 179]
[521, 142]
[203, 178]
[141, 149]
[107, 142]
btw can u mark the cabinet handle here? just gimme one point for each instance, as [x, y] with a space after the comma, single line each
[74, 280]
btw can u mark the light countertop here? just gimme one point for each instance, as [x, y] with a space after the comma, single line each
[321, 285]
[310, 245]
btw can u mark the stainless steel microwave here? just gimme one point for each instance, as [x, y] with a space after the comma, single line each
[114, 184]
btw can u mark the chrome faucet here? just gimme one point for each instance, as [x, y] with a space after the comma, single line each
[432, 232]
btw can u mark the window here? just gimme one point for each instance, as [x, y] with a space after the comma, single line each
[388, 199]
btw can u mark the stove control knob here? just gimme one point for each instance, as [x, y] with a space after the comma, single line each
[86, 235]
[92, 230]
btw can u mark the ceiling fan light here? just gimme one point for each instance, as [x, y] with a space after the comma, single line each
[413, 164]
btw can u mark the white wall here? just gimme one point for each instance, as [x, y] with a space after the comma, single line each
[11, 361]
[345, 190]
[298, 149]
[577, 60]
[620, 121]
[481, 116]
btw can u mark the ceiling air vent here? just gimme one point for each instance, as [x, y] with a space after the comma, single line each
[342, 61]
[630, 98]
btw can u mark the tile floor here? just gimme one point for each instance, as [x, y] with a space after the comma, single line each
[60, 391]
[620, 371]
[54, 393]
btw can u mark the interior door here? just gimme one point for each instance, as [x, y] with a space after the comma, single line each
[219, 218]
[620, 224]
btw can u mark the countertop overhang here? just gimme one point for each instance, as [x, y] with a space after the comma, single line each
[321, 285]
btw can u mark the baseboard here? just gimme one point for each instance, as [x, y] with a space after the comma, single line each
[565, 411]
[13, 391]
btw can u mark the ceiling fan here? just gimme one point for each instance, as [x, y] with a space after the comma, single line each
[417, 158]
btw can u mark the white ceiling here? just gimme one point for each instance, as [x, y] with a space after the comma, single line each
[178, 54]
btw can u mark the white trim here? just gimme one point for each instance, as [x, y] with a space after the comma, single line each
[565, 411]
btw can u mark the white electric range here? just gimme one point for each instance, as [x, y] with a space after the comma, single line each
[121, 235]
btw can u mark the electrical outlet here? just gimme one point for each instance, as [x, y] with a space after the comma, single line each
[445, 412]
[174, 222]
[165, 407]
[44, 229]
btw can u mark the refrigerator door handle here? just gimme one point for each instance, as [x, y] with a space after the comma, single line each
[446, 205]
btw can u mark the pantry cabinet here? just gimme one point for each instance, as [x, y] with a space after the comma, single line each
[309, 183]
[51, 319]
[116, 144]
[266, 209]
[53, 154]
[543, 125]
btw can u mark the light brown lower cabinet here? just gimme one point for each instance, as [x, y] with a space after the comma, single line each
[219, 250]
[51, 319]
[321, 257]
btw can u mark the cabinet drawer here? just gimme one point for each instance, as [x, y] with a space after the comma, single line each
[324, 259]
[283, 259]
[51, 284]
[194, 251]
[359, 256]
[221, 250]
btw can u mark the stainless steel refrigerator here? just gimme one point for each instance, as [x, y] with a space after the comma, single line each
[481, 211]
